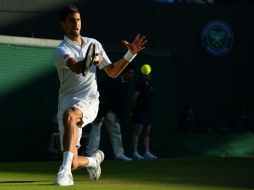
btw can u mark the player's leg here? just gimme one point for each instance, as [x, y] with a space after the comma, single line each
[64, 176]
[71, 119]
[79, 161]
[92, 163]
[70, 138]
[69, 135]
[90, 110]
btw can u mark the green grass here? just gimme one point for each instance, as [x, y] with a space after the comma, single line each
[171, 174]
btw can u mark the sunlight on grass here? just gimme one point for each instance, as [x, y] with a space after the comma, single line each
[161, 174]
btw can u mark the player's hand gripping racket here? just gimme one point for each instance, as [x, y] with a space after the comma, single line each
[90, 59]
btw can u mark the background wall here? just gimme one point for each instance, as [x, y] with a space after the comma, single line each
[185, 72]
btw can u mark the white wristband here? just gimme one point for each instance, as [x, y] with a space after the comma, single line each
[129, 56]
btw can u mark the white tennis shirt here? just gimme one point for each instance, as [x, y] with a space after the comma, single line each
[74, 85]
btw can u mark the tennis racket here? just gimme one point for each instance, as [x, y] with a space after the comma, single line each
[90, 59]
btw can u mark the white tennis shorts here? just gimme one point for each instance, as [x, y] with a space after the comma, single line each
[89, 109]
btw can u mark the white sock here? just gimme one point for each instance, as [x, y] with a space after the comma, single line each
[67, 160]
[91, 162]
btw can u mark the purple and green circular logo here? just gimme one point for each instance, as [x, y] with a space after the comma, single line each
[217, 38]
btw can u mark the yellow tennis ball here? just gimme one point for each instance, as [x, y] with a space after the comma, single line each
[146, 69]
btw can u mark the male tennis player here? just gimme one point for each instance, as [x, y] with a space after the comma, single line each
[78, 94]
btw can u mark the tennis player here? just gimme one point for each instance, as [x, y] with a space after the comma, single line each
[78, 95]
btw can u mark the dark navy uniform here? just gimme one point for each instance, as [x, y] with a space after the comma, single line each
[142, 109]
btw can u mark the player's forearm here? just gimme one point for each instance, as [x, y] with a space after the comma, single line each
[115, 69]
[75, 66]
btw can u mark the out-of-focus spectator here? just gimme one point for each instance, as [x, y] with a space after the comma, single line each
[244, 120]
[142, 113]
[111, 113]
[188, 121]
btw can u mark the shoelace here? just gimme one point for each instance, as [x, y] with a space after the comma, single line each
[93, 171]
[61, 171]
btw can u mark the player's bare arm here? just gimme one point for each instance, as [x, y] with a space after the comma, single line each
[74, 66]
[113, 70]
[138, 44]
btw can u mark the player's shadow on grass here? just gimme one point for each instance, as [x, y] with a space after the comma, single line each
[44, 183]
[27, 182]
[18, 181]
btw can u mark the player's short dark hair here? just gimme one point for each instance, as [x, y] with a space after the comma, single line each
[68, 9]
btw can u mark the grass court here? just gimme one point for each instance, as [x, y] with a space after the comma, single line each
[199, 173]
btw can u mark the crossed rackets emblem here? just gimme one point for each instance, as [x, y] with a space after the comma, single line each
[217, 37]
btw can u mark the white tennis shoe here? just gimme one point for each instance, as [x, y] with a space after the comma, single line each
[95, 172]
[64, 177]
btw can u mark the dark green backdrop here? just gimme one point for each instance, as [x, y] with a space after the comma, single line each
[28, 104]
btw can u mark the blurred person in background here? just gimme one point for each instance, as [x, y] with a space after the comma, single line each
[114, 93]
[142, 102]
[188, 121]
[244, 120]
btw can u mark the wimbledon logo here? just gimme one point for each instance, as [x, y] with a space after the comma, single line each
[217, 38]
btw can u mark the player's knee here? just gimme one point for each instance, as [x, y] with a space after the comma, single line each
[69, 117]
